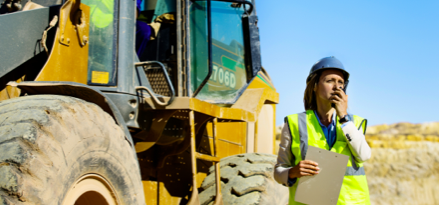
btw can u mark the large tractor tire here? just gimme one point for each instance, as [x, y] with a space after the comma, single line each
[246, 179]
[65, 151]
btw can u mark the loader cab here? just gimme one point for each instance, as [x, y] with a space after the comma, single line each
[215, 39]
[209, 55]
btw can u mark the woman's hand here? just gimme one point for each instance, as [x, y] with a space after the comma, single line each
[340, 100]
[304, 168]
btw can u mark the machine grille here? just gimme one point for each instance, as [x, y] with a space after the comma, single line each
[157, 80]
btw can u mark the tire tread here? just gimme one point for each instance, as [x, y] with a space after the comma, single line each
[243, 179]
[34, 134]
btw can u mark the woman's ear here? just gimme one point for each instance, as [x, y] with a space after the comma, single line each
[315, 87]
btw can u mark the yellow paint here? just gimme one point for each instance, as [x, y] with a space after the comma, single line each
[165, 197]
[100, 77]
[150, 191]
[228, 149]
[231, 131]
[143, 146]
[274, 130]
[255, 137]
[160, 196]
[260, 93]
[268, 96]
[267, 79]
[220, 112]
[10, 92]
[68, 60]
[231, 138]
[200, 178]
[258, 83]
[265, 130]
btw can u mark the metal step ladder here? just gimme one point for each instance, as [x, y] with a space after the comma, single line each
[194, 200]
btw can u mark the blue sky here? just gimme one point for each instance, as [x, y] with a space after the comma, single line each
[390, 48]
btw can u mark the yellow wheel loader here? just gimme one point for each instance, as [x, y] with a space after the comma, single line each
[135, 102]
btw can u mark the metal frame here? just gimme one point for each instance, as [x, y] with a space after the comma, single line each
[194, 199]
[179, 50]
[125, 47]
[209, 50]
[168, 81]
[115, 54]
[187, 46]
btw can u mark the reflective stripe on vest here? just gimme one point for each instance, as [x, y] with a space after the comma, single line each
[306, 131]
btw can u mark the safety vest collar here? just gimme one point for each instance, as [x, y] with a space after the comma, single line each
[319, 139]
[306, 124]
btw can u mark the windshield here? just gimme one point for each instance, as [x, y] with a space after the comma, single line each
[229, 74]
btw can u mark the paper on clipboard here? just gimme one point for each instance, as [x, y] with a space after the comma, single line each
[323, 188]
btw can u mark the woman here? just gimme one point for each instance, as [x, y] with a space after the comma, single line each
[327, 125]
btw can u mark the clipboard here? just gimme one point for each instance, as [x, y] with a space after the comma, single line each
[323, 188]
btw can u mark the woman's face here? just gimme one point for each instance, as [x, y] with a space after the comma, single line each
[330, 80]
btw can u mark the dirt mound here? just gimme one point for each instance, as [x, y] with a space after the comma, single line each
[405, 128]
[404, 167]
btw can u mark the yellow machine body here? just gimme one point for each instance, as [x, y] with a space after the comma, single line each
[247, 126]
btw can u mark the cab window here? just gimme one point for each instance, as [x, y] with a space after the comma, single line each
[102, 43]
[229, 75]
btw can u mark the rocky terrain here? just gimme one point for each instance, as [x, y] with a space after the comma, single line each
[404, 167]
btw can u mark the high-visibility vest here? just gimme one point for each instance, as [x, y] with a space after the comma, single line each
[306, 131]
